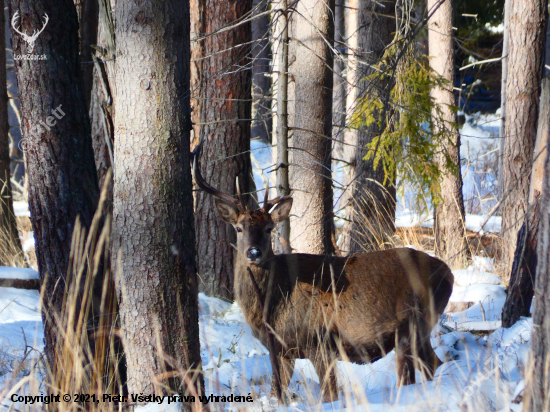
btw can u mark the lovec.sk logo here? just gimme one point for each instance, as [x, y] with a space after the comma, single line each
[30, 39]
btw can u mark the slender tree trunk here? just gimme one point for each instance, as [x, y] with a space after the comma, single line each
[56, 131]
[525, 63]
[449, 228]
[537, 386]
[339, 92]
[9, 235]
[310, 155]
[153, 202]
[369, 201]
[520, 289]
[261, 81]
[225, 129]
[504, 79]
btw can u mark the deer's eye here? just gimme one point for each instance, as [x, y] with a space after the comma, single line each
[240, 230]
[269, 229]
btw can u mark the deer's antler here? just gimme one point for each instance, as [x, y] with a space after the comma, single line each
[201, 183]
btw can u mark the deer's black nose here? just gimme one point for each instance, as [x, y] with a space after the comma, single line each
[253, 254]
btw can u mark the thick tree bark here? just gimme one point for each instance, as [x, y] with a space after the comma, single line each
[56, 130]
[225, 129]
[9, 235]
[525, 63]
[312, 224]
[537, 386]
[520, 289]
[153, 219]
[369, 201]
[449, 227]
[261, 84]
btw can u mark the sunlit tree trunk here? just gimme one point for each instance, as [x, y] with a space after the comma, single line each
[370, 199]
[449, 227]
[525, 63]
[310, 155]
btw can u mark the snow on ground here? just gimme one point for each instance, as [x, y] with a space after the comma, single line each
[17, 273]
[236, 363]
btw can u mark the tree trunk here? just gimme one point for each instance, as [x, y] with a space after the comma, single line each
[88, 13]
[449, 226]
[153, 219]
[525, 63]
[339, 92]
[56, 131]
[225, 129]
[520, 289]
[312, 223]
[537, 385]
[261, 84]
[504, 79]
[369, 201]
[10, 243]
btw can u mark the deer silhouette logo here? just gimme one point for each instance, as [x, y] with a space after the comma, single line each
[29, 39]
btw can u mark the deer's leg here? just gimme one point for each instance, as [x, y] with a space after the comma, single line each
[286, 370]
[325, 366]
[426, 354]
[404, 356]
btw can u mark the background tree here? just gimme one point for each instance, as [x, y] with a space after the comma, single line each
[88, 14]
[370, 198]
[449, 226]
[153, 219]
[9, 235]
[537, 386]
[60, 188]
[524, 265]
[312, 224]
[262, 122]
[225, 129]
[525, 62]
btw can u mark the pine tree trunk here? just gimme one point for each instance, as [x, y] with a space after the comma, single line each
[312, 226]
[537, 385]
[56, 131]
[9, 236]
[88, 13]
[225, 116]
[449, 226]
[369, 201]
[525, 62]
[261, 84]
[153, 219]
[520, 289]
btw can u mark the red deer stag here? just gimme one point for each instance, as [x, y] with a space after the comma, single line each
[357, 308]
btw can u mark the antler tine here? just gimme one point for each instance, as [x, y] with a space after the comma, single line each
[266, 198]
[273, 202]
[239, 191]
[201, 183]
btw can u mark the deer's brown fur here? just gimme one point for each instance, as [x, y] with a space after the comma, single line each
[357, 308]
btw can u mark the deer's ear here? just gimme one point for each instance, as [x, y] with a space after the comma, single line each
[282, 210]
[226, 212]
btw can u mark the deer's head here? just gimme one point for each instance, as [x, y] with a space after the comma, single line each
[253, 226]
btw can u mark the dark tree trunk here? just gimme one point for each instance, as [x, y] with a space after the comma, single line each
[537, 385]
[9, 236]
[87, 11]
[56, 131]
[449, 223]
[525, 63]
[339, 92]
[520, 289]
[225, 116]
[261, 84]
[312, 224]
[153, 203]
[369, 201]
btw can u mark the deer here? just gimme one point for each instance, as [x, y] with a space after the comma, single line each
[29, 39]
[356, 308]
